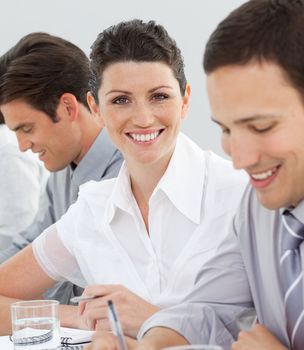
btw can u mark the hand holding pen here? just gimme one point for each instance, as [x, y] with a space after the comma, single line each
[104, 339]
[93, 308]
[112, 316]
[116, 326]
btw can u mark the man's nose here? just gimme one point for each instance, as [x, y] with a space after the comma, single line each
[24, 143]
[244, 152]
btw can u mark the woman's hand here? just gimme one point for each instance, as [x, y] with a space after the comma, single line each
[155, 339]
[132, 309]
[106, 341]
[103, 340]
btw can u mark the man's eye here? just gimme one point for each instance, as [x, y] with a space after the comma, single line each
[160, 96]
[120, 100]
[27, 129]
[225, 130]
[261, 129]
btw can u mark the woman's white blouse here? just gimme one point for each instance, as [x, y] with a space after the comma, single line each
[102, 238]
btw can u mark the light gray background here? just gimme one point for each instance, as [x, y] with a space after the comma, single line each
[189, 22]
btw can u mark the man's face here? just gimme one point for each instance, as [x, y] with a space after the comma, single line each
[56, 143]
[262, 119]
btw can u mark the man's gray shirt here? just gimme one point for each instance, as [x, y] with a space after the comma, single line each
[102, 161]
[250, 252]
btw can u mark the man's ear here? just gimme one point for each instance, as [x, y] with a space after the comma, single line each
[186, 99]
[69, 105]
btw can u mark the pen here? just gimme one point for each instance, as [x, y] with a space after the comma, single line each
[116, 326]
[77, 300]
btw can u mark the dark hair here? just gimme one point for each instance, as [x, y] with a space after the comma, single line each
[40, 68]
[135, 40]
[262, 30]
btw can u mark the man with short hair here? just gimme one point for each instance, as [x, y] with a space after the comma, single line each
[254, 62]
[43, 90]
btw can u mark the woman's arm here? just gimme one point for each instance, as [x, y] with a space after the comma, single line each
[21, 277]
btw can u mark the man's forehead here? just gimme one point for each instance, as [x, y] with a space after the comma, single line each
[253, 69]
[249, 119]
[17, 108]
[18, 113]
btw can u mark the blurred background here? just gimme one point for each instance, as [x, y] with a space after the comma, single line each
[189, 22]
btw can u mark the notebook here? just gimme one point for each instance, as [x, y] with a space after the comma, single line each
[72, 347]
[73, 336]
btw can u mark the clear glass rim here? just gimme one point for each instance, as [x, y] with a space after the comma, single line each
[34, 304]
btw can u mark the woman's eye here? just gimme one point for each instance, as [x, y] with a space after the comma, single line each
[160, 96]
[120, 100]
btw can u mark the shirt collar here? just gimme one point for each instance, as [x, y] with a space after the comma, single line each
[187, 166]
[183, 181]
[121, 194]
[95, 161]
[298, 211]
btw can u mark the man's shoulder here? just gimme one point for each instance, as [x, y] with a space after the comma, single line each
[102, 161]
[97, 189]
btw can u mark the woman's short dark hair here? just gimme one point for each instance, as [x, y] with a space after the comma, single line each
[40, 68]
[262, 30]
[135, 40]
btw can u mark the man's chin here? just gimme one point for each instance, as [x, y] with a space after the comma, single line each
[54, 167]
[270, 201]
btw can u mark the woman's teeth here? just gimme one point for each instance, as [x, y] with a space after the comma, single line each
[144, 137]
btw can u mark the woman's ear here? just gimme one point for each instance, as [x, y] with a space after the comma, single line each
[186, 99]
[92, 104]
[94, 108]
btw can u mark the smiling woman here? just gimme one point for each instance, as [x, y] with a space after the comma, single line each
[142, 108]
[140, 239]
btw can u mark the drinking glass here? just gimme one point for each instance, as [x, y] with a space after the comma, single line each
[35, 325]
[194, 347]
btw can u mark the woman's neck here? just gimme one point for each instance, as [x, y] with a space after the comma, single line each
[144, 179]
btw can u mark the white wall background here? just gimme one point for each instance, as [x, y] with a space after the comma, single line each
[189, 22]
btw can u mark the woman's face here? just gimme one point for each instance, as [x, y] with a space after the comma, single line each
[142, 107]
